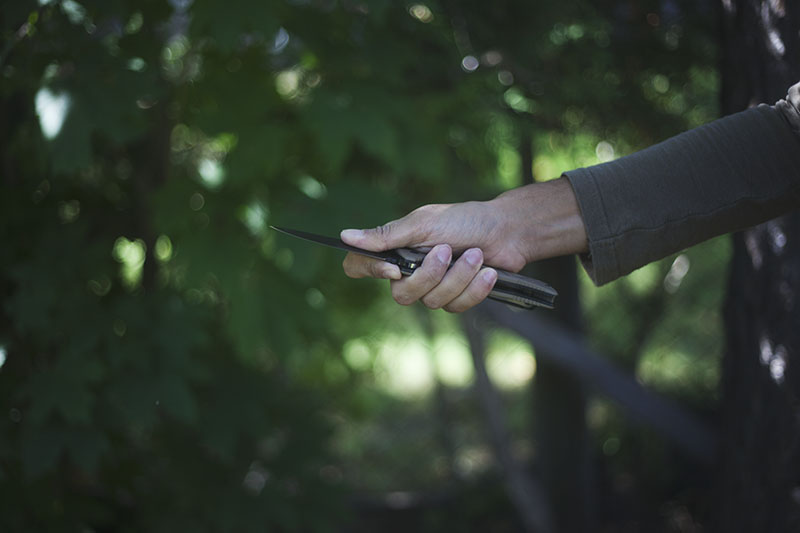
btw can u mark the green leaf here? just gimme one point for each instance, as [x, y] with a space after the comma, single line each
[134, 398]
[228, 23]
[375, 133]
[258, 155]
[64, 389]
[109, 107]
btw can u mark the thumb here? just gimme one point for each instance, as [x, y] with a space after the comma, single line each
[396, 234]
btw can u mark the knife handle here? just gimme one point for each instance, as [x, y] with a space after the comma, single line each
[514, 289]
[522, 291]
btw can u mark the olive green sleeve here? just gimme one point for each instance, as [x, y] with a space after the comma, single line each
[727, 175]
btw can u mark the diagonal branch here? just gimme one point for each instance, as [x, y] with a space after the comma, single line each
[554, 343]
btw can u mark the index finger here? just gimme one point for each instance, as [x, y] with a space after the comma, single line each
[360, 266]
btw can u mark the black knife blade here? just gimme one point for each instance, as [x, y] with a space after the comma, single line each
[407, 260]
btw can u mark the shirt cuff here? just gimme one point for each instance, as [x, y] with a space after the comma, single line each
[601, 263]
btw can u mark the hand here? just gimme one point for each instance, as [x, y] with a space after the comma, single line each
[522, 225]
[472, 228]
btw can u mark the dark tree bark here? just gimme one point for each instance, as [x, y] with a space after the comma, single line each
[559, 414]
[559, 400]
[759, 477]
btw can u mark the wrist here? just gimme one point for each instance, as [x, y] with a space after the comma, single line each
[542, 220]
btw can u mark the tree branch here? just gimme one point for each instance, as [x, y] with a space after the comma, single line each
[554, 343]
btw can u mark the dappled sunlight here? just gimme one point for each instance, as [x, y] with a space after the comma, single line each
[453, 361]
[605, 152]
[52, 109]
[311, 187]
[409, 366]
[470, 63]
[474, 460]
[678, 270]
[421, 12]
[403, 367]
[256, 478]
[69, 211]
[75, 12]
[131, 256]
[671, 368]
[176, 62]
[357, 355]
[211, 172]
[255, 216]
[505, 77]
[280, 42]
[777, 237]
[597, 413]
[509, 362]
[287, 83]
[163, 248]
[517, 101]
[774, 358]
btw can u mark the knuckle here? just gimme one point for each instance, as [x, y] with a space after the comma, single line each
[474, 295]
[431, 276]
[454, 308]
[357, 267]
[463, 304]
[375, 269]
[432, 302]
[348, 267]
[383, 231]
[401, 297]
[428, 209]
[403, 300]
[432, 272]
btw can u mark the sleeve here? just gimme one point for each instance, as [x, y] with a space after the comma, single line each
[727, 175]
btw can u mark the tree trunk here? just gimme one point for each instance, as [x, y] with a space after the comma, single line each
[759, 478]
[559, 399]
[559, 415]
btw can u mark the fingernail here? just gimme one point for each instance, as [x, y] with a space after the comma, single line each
[489, 275]
[444, 254]
[351, 234]
[473, 256]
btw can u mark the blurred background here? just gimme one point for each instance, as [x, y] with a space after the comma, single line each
[169, 363]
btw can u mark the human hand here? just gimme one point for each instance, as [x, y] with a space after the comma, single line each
[444, 230]
[520, 226]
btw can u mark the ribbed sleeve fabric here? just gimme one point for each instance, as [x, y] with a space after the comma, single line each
[730, 174]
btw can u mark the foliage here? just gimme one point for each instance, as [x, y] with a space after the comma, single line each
[169, 363]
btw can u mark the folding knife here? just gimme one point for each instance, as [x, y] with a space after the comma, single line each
[510, 288]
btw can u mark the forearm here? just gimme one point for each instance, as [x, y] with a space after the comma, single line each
[724, 176]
